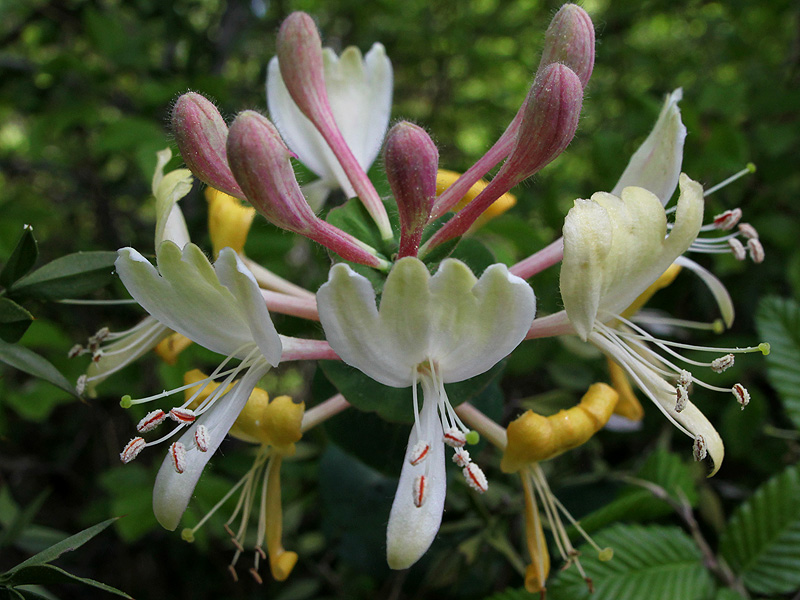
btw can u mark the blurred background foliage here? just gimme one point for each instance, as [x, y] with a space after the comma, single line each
[85, 92]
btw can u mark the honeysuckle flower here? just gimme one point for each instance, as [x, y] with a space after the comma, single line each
[429, 330]
[446, 178]
[359, 90]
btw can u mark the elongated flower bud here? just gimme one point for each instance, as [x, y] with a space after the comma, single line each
[201, 134]
[411, 159]
[260, 162]
[299, 50]
[570, 41]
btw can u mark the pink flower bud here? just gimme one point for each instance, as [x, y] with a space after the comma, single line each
[570, 41]
[260, 161]
[201, 133]
[299, 50]
[411, 160]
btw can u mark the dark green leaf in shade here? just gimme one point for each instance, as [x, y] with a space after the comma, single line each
[70, 276]
[22, 520]
[14, 321]
[29, 362]
[634, 502]
[49, 574]
[778, 322]
[394, 404]
[762, 540]
[654, 562]
[22, 258]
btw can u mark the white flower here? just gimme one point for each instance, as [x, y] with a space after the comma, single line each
[360, 94]
[432, 330]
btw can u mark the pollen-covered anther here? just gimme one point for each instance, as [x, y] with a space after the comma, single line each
[232, 571]
[151, 420]
[256, 576]
[718, 365]
[102, 334]
[80, 385]
[685, 379]
[182, 415]
[420, 490]
[475, 477]
[76, 350]
[201, 438]
[748, 231]
[178, 454]
[455, 438]
[756, 250]
[700, 450]
[682, 398]
[737, 248]
[461, 457]
[741, 394]
[419, 452]
[132, 449]
[728, 219]
[99, 353]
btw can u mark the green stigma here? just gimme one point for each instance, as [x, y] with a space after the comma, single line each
[718, 326]
[126, 401]
[764, 347]
[187, 535]
[606, 554]
[751, 167]
[473, 437]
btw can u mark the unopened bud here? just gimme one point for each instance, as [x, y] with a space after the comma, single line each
[201, 134]
[411, 161]
[570, 41]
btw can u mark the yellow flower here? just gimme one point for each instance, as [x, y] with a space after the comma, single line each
[445, 178]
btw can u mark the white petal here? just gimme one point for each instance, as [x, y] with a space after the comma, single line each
[412, 529]
[168, 189]
[186, 297]
[717, 288]
[173, 490]
[656, 165]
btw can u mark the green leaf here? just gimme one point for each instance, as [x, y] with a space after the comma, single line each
[351, 217]
[512, 594]
[657, 563]
[21, 520]
[49, 574]
[70, 276]
[778, 322]
[394, 404]
[635, 503]
[29, 362]
[14, 321]
[762, 540]
[22, 258]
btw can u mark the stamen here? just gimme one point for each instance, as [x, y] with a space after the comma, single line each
[750, 168]
[256, 576]
[454, 438]
[699, 448]
[420, 491]
[741, 394]
[182, 415]
[685, 379]
[756, 250]
[475, 477]
[728, 219]
[201, 438]
[151, 420]
[419, 453]
[461, 457]
[683, 398]
[748, 231]
[76, 350]
[97, 356]
[737, 249]
[178, 454]
[102, 334]
[132, 449]
[80, 385]
[718, 365]
[232, 571]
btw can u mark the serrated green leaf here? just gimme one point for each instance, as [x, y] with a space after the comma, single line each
[778, 322]
[49, 574]
[635, 503]
[22, 258]
[654, 562]
[513, 594]
[762, 540]
[394, 404]
[14, 321]
[29, 362]
[69, 276]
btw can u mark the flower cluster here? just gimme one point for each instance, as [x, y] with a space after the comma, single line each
[435, 322]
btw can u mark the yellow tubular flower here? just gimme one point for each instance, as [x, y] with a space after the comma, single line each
[628, 405]
[667, 277]
[171, 346]
[539, 568]
[533, 437]
[445, 178]
[228, 221]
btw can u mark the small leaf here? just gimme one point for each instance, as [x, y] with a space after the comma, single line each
[21, 520]
[762, 540]
[351, 217]
[657, 563]
[29, 362]
[14, 321]
[49, 574]
[22, 258]
[70, 276]
[778, 322]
